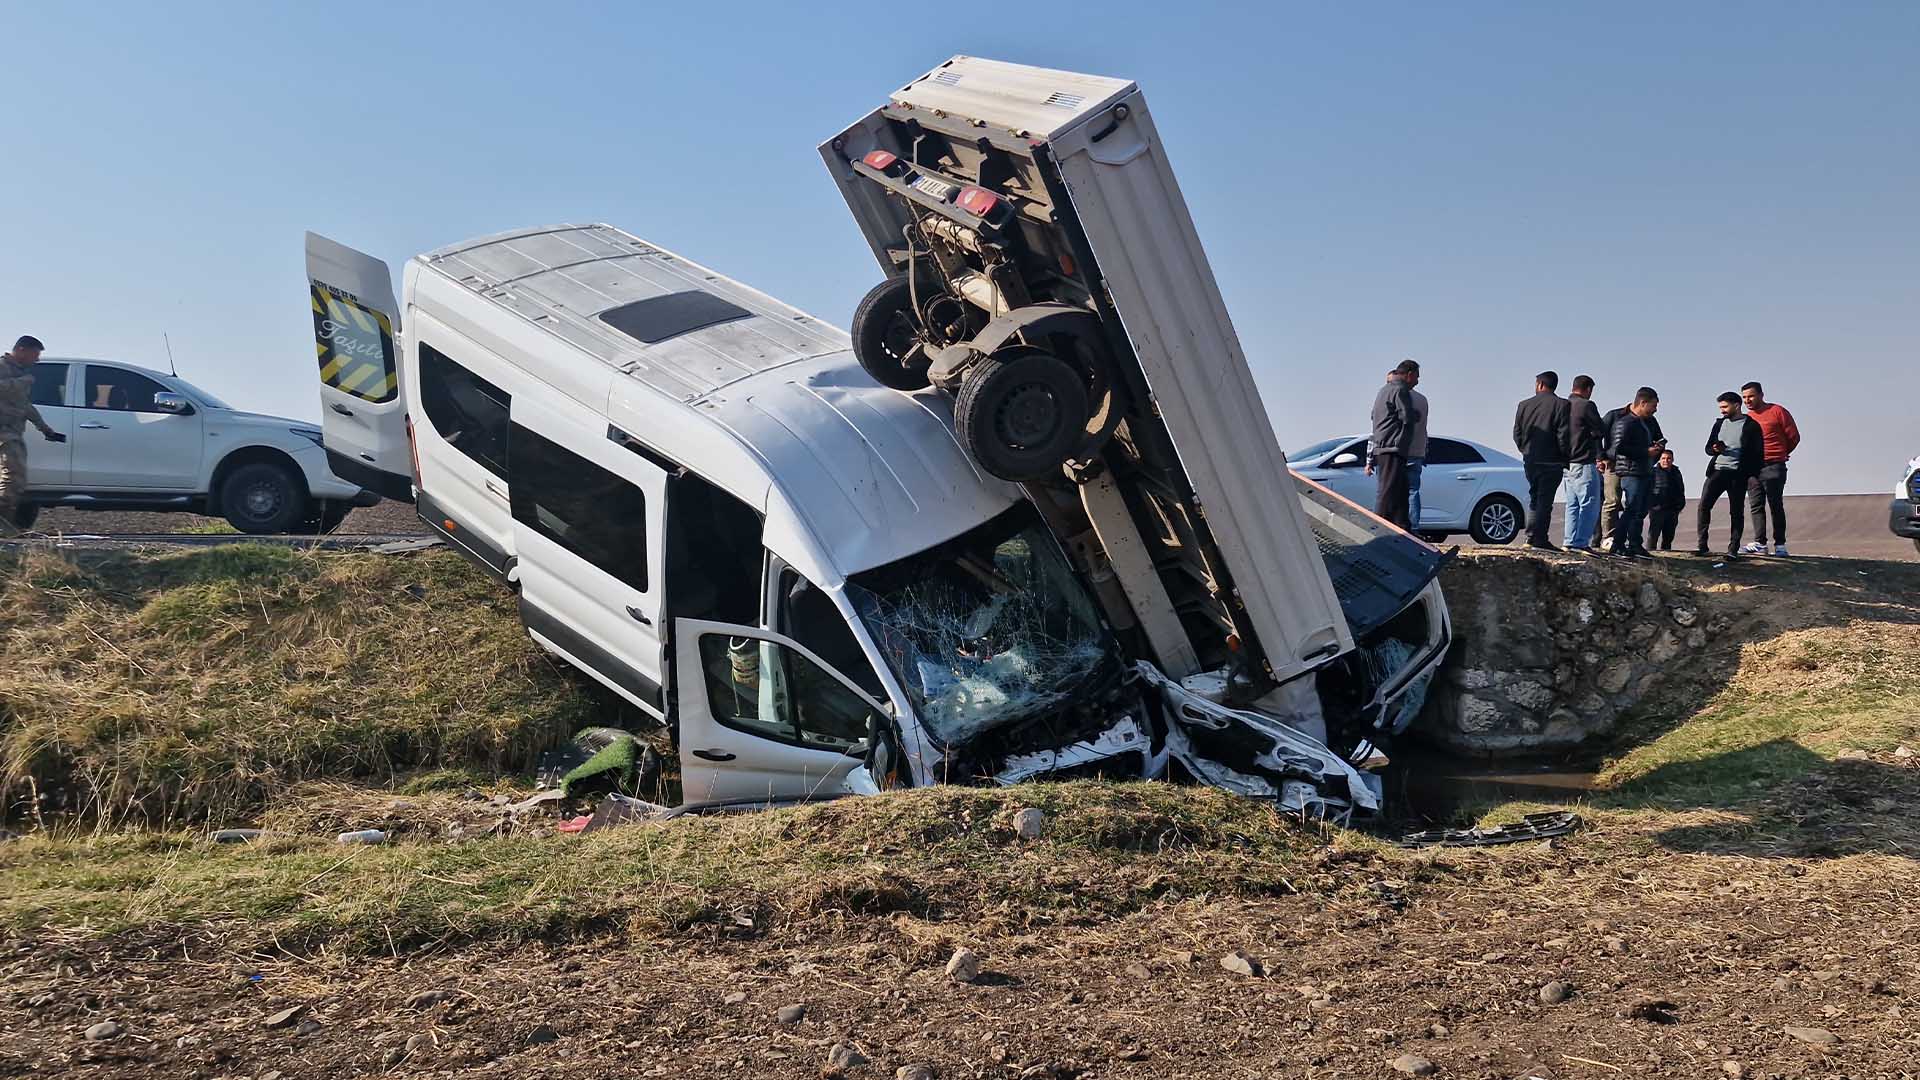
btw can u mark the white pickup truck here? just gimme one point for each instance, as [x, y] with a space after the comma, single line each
[146, 440]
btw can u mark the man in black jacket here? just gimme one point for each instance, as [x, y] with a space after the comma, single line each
[1666, 497]
[1735, 452]
[1540, 434]
[1610, 503]
[1631, 449]
[1585, 432]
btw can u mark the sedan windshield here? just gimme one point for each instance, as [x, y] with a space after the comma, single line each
[986, 629]
[1315, 451]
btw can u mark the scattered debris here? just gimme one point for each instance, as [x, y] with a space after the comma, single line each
[1820, 1037]
[915, 1072]
[1240, 962]
[1413, 1065]
[1653, 1010]
[1541, 826]
[105, 1030]
[844, 1056]
[618, 809]
[963, 966]
[738, 997]
[1556, 992]
[283, 1017]
[427, 999]
[791, 1014]
[1854, 753]
[236, 836]
[362, 836]
[1028, 823]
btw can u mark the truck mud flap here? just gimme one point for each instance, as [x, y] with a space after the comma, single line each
[1258, 756]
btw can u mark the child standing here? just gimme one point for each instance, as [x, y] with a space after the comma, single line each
[1665, 503]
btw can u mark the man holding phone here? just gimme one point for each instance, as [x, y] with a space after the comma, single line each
[1734, 454]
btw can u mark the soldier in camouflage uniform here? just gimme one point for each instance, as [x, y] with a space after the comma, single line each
[16, 409]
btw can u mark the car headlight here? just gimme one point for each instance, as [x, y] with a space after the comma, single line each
[315, 437]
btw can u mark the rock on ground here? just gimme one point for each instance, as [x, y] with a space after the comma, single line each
[1413, 1065]
[963, 966]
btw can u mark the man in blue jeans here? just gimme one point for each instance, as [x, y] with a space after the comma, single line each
[1417, 451]
[1630, 449]
[1585, 433]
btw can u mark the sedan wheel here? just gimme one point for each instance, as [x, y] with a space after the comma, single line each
[1497, 520]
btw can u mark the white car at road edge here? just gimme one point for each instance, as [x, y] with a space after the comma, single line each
[1466, 487]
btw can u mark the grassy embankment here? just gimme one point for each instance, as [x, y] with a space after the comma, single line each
[173, 690]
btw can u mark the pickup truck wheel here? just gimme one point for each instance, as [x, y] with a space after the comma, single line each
[1497, 520]
[886, 335]
[262, 498]
[1021, 413]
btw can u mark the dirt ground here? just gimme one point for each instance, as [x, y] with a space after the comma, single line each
[1702, 964]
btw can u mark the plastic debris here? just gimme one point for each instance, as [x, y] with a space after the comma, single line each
[1532, 827]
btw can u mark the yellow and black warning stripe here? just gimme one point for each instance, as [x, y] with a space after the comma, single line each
[355, 345]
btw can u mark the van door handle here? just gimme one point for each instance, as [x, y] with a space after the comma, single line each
[713, 755]
[339, 408]
[91, 426]
[495, 490]
[639, 616]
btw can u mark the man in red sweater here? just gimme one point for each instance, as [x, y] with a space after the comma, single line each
[1767, 489]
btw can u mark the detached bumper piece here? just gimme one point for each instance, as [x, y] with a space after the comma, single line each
[1544, 826]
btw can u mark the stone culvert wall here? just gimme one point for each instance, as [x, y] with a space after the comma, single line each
[1550, 652]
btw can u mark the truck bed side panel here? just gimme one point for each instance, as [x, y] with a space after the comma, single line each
[1130, 208]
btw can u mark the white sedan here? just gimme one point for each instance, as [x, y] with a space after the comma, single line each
[1466, 487]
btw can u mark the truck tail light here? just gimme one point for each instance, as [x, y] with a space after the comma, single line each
[977, 201]
[885, 162]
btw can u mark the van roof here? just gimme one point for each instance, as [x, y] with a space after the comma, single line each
[669, 323]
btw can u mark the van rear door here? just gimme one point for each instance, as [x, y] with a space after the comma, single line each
[355, 321]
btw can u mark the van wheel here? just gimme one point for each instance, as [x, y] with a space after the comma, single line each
[1021, 413]
[262, 498]
[886, 335]
[1497, 520]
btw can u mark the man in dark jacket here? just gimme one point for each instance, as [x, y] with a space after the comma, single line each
[1666, 497]
[1394, 421]
[1540, 434]
[1735, 452]
[1610, 503]
[1631, 449]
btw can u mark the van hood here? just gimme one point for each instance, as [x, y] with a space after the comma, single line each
[872, 474]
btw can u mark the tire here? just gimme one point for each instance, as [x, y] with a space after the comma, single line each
[1021, 415]
[24, 515]
[886, 336]
[1498, 519]
[263, 498]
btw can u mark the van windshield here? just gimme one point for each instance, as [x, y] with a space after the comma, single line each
[986, 629]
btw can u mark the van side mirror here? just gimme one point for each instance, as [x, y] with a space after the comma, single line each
[884, 760]
[172, 403]
[1344, 461]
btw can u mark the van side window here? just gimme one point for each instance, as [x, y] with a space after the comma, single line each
[466, 410]
[579, 505]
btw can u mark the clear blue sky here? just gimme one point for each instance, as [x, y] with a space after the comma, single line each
[1683, 195]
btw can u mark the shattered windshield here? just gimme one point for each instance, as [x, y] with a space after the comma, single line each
[985, 629]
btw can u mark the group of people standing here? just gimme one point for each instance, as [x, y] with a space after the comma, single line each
[1622, 488]
[1619, 477]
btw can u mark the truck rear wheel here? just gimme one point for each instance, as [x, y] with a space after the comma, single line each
[261, 498]
[886, 335]
[1021, 413]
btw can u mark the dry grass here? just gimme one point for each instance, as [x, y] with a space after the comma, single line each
[187, 687]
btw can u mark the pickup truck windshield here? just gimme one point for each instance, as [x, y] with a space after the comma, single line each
[986, 629]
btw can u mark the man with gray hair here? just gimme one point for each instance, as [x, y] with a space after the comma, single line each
[16, 411]
[1395, 420]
